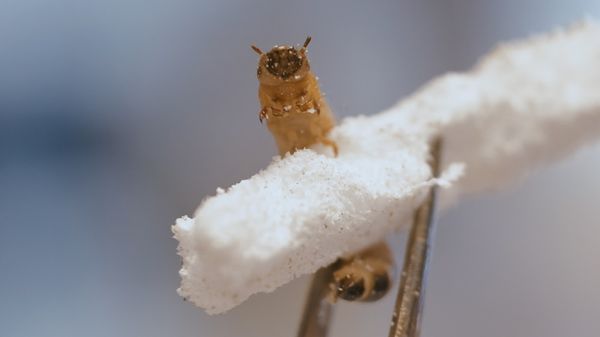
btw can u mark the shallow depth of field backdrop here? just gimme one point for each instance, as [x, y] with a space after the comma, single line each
[116, 117]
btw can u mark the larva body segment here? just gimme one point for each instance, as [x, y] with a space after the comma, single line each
[297, 114]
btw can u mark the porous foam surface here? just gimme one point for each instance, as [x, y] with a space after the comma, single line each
[525, 104]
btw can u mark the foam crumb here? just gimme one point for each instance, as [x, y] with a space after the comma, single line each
[525, 104]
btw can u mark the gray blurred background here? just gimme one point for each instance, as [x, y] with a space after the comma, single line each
[117, 117]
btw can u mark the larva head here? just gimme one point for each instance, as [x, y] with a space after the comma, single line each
[282, 64]
[357, 282]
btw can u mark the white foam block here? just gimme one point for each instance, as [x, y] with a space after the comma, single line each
[525, 104]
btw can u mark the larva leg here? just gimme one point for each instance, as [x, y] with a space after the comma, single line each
[316, 107]
[365, 276]
[311, 107]
[329, 142]
[277, 112]
[262, 114]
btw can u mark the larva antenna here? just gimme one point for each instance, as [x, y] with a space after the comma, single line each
[306, 42]
[256, 49]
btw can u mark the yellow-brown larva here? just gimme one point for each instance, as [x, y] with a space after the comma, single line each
[298, 116]
[291, 101]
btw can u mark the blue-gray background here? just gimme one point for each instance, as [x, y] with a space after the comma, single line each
[118, 116]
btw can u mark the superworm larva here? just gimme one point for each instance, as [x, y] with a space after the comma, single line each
[291, 101]
[298, 116]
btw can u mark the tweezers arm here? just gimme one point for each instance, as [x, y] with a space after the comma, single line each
[409, 303]
[317, 310]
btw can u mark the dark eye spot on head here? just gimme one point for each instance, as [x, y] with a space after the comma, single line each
[283, 61]
[258, 71]
[350, 289]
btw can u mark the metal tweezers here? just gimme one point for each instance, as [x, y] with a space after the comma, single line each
[406, 318]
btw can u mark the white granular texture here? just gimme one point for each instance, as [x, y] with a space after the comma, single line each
[524, 105]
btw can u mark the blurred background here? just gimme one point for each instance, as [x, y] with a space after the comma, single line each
[117, 117]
